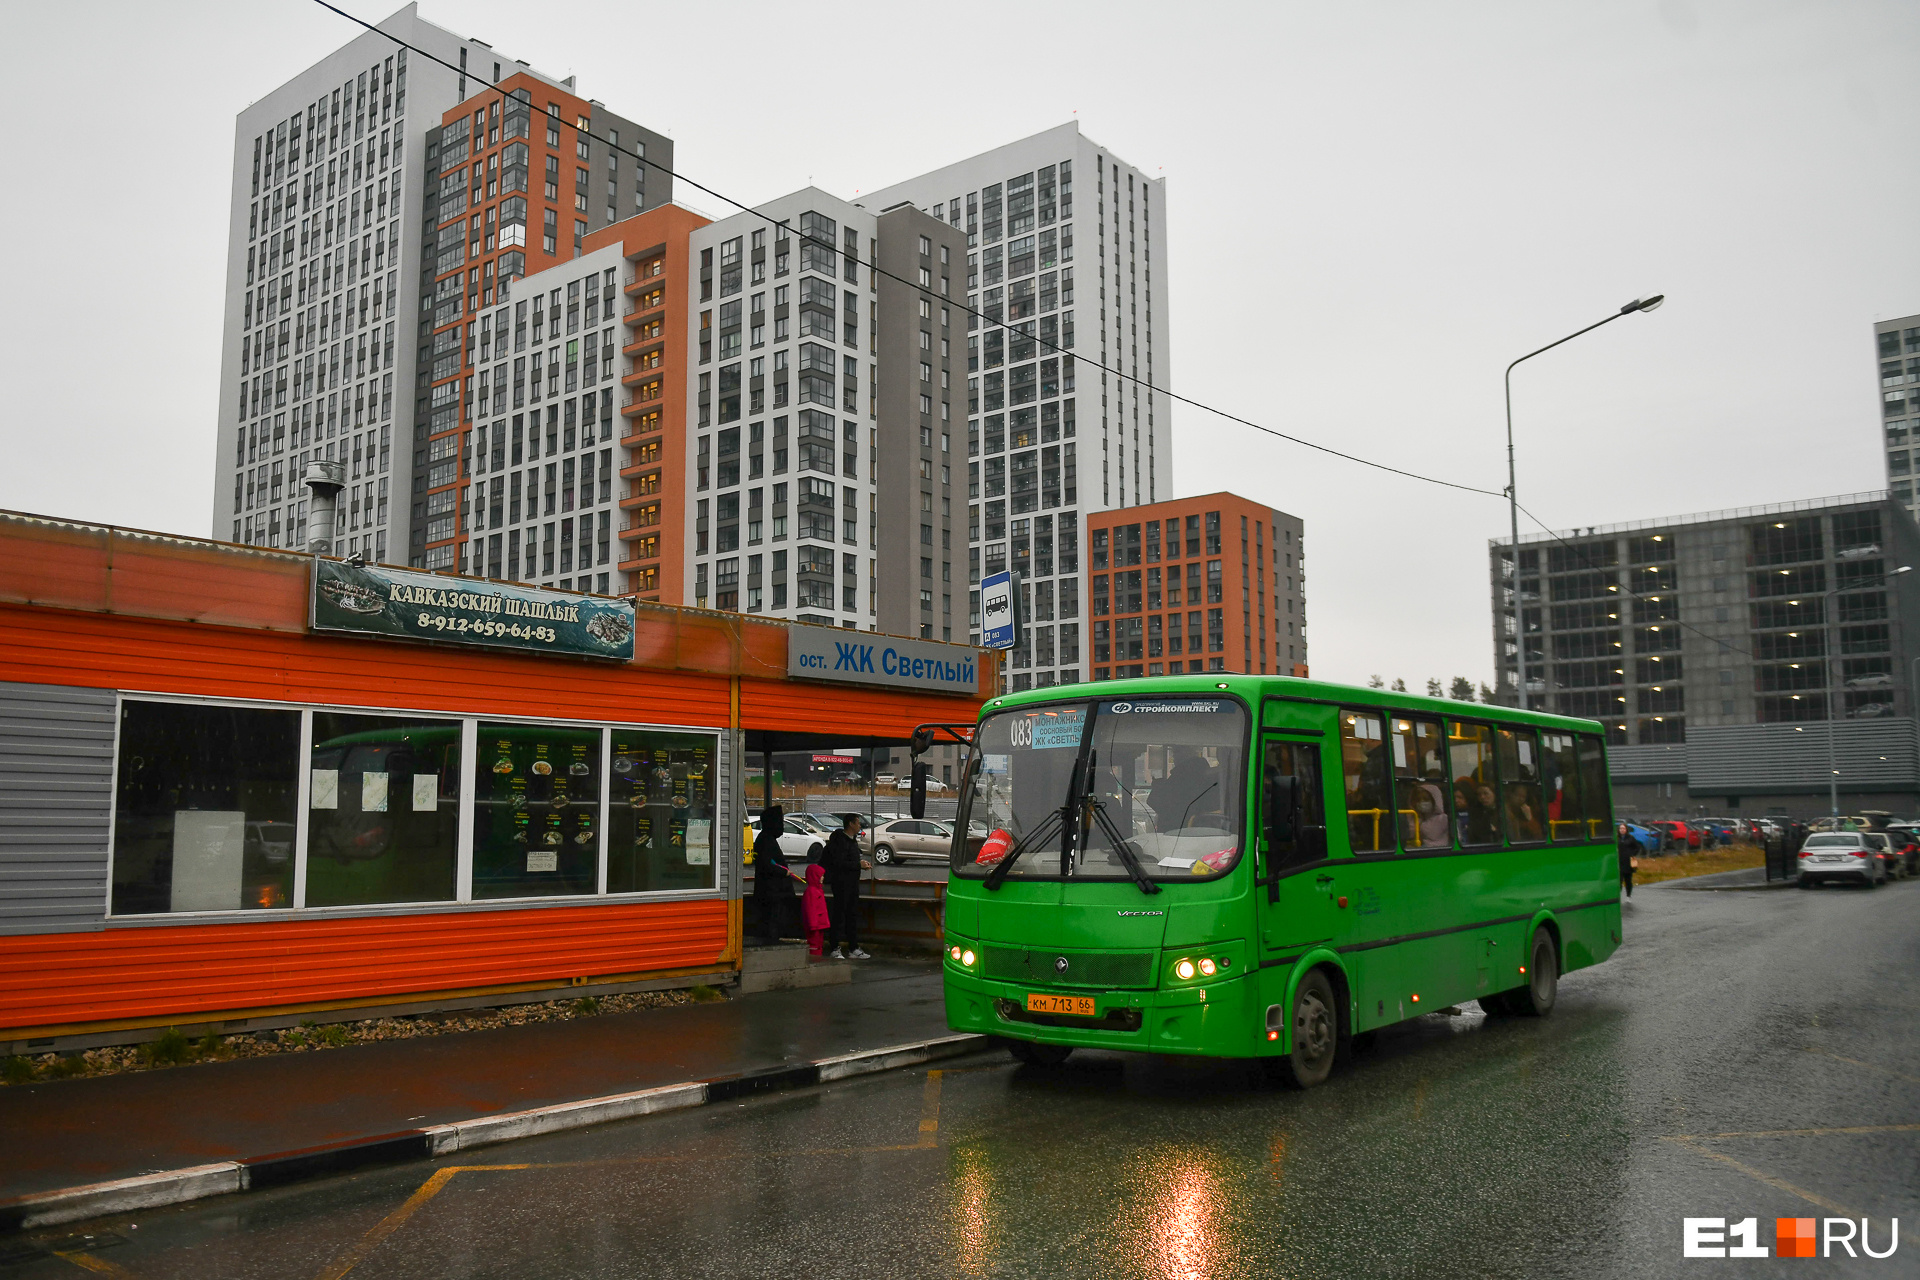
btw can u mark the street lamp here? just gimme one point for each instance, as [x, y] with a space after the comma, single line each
[1513, 494]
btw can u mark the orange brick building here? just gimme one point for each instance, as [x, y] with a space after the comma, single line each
[525, 171]
[1213, 583]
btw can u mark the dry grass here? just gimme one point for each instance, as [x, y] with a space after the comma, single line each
[1679, 866]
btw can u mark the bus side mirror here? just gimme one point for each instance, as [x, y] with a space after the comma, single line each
[917, 798]
[1280, 805]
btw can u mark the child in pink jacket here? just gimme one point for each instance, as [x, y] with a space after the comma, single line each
[813, 910]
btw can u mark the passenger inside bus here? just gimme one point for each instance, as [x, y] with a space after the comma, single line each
[1190, 792]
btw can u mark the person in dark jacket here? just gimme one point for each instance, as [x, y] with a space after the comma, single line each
[1629, 849]
[772, 880]
[843, 864]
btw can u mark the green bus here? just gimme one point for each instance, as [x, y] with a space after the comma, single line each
[1252, 866]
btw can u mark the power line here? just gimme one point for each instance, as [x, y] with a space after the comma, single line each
[876, 269]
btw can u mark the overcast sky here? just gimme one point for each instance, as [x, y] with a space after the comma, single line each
[1371, 209]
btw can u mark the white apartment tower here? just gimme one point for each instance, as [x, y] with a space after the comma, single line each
[1066, 267]
[323, 284]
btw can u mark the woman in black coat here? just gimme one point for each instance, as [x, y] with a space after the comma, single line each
[843, 864]
[772, 887]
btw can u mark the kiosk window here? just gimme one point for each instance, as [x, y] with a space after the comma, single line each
[204, 807]
[536, 817]
[660, 827]
[383, 810]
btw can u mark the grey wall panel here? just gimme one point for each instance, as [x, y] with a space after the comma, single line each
[56, 779]
[1655, 760]
[1867, 753]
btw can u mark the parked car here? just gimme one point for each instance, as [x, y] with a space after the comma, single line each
[1905, 838]
[836, 818]
[1841, 856]
[905, 838]
[797, 841]
[934, 785]
[1677, 836]
[1891, 862]
[1647, 838]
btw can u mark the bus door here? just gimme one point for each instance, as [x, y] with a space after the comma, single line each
[1297, 903]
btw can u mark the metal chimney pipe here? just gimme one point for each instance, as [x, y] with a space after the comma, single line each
[324, 480]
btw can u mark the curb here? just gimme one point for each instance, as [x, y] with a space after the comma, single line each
[178, 1186]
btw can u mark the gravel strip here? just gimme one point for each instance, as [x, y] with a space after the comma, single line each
[173, 1049]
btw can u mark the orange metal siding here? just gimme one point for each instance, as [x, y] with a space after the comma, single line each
[106, 652]
[164, 971]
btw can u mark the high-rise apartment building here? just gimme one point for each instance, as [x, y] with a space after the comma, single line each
[572, 483]
[324, 283]
[526, 171]
[1729, 653]
[379, 199]
[1213, 583]
[819, 411]
[1897, 347]
[1065, 257]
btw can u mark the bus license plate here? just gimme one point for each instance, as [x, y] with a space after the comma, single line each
[1074, 1006]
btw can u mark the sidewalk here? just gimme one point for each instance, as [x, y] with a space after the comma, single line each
[69, 1133]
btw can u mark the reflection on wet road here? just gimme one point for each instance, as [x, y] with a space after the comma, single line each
[1746, 1054]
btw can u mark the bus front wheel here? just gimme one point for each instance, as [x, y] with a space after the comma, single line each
[1316, 1034]
[1535, 1000]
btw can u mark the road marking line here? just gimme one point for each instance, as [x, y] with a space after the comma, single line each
[930, 1111]
[1871, 1066]
[99, 1266]
[395, 1220]
[1793, 1133]
[1779, 1184]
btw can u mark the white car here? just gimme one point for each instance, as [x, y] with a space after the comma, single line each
[796, 841]
[1840, 855]
[934, 785]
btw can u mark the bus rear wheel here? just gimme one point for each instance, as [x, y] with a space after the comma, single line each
[1535, 1000]
[1316, 1034]
[1039, 1055]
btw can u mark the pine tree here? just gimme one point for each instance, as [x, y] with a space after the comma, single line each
[1399, 685]
[1433, 688]
[1375, 682]
[1461, 689]
[1486, 696]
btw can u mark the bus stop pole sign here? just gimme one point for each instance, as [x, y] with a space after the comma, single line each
[999, 611]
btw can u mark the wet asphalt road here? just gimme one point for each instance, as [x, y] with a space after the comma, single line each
[1746, 1054]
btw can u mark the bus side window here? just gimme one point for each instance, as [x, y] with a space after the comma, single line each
[1363, 762]
[1593, 788]
[1300, 761]
[1420, 784]
[1476, 802]
[1520, 802]
[1560, 774]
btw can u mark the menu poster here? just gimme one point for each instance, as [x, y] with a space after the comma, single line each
[373, 792]
[543, 861]
[426, 792]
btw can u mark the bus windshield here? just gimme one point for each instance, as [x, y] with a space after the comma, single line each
[1110, 789]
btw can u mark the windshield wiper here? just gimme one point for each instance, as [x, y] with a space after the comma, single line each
[1196, 800]
[1046, 827]
[1121, 845]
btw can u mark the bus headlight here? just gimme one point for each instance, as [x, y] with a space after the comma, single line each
[1206, 968]
[966, 959]
[1184, 970]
